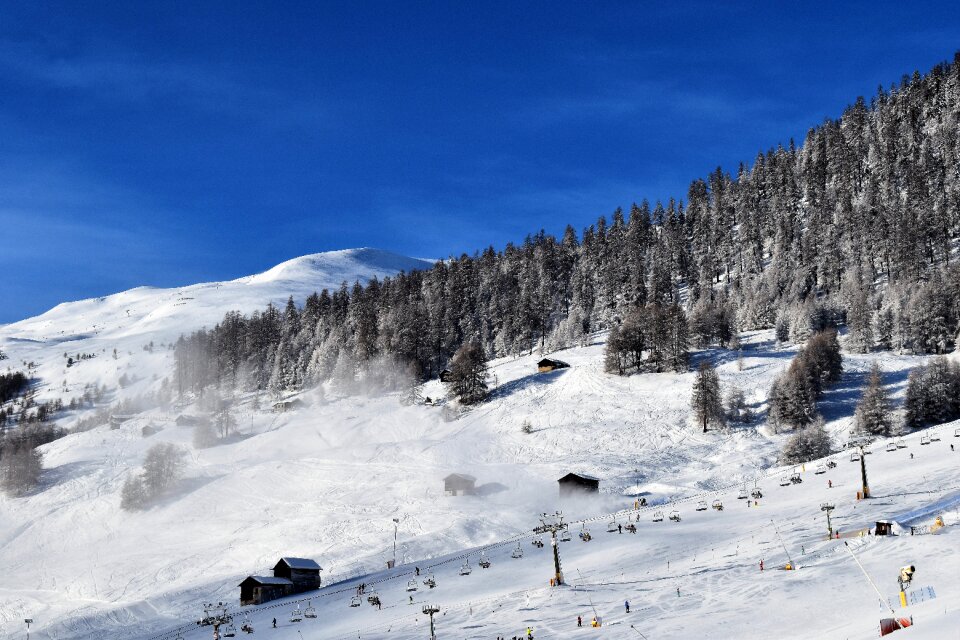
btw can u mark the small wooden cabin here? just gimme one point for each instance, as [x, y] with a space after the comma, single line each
[883, 528]
[260, 589]
[459, 484]
[445, 375]
[578, 484]
[550, 364]
[303, 573]
[288, 404]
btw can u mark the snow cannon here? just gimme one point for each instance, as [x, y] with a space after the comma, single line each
[889, 625]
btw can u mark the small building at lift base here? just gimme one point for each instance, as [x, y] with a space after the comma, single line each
[260, 589]
[578, 484]
[459, 484]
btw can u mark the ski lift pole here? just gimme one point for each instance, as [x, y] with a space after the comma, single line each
[863, 473]
[789, 559]
[430, 610]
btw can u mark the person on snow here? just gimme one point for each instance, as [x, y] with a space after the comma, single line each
[274, 623]
[761, 565]
[579, 621]
[529, 633]
[619, 528]
[626, 605]
[829, 484]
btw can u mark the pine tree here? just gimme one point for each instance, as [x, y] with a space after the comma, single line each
[809, 443]
[707, 400]
[468, 374]
[874, 414]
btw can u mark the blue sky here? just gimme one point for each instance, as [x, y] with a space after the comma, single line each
[176, 143]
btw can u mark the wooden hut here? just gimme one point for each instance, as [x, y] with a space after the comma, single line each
[445, 375]
[260, 589]
[578, 484]
[550, 364]
[459, 484]
[287, 405]
[883, 528]
[303, 573]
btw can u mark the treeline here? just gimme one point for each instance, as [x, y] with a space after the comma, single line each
[20, 461]
[856, 226]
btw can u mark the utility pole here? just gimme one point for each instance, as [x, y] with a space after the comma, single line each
[29, 621]
[429, 610]
[826, 507]
[396, 527]
[861, 443]
[551, 524]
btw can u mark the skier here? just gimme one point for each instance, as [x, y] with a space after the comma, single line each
[274, 623]
[626, 605]
[579, 621]
[761, 565]
[678, 592]
[829, 484]
[529, 633]
[417, 569]
[619, 528]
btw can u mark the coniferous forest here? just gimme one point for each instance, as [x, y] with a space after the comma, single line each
[857, 226]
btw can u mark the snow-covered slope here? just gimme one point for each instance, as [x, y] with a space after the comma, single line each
[326, 480]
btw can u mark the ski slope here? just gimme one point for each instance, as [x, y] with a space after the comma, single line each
[325, 481]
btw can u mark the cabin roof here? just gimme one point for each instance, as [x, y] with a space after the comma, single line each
[552, 361]
[265, 580]
[582, 476]
[300, 563]
[460, 476]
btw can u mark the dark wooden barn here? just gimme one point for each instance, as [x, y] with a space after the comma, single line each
[549, 364]
[445, 375]
[459, 484]
[578, 484]
[260, 589]
[304, 573]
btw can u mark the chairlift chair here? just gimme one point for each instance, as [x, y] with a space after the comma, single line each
[612, 526]
[355, 601]
[585, 534]
[935, 436]
[901, 444]
[702, 505]
[891, 446]
[430, 582]
[518, 552]
[296, 615]
[796, 479]
[675, 516]
[484, 560]
[831, 464]
[956, 433]
[658, 516]
[855, 456]
[757, 493]
[784, 481]
[229, 631]
[743, 495]
[565, 536]
[465, 569]
[924, 440]
[821, 469]
[718, 505]
[310, 611]
[373, 598]
[247, 627]
[537, 541]
[632, 528]
[411, 585]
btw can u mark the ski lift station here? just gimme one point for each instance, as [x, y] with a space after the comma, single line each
[577, 484]
[290, 575]
[550, 364]
[459, 484]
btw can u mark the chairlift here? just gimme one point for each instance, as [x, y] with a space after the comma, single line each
[796, 479]
[935, 436]
[891, 446]
[717, 505]
[612, 526]
[784, 481]
[465, 569]
[757, 493]
[228, 631]
[373, 598]
[743, 495]
[821, 469]
[901, 444]
[537, 541]
[247, 627]
[310, 611]
[658, 516]
[484, 560]
[632, 528]
[675, 516]
[411, 585]
[430, 581]
[924, 440]
[518, 552]
[956, 433]
[565, 536]
[296, 615]
[831, 464]
[585, 534]
[854, 456]
[702, 505]
[355, 601]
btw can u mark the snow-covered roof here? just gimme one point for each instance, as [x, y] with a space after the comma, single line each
[552, 361]
[301, 563]
[461, 476]
[267, 580]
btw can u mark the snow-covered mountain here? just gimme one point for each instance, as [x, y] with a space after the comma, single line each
[326, 480]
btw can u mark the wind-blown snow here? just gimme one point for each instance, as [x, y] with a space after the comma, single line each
[325, 481]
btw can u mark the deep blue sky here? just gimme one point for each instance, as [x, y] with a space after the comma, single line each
[172, 144]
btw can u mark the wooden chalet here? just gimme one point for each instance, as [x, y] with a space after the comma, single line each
[288, 404]
[260, 589]
[550, 364]
[304, 573]
[459, 484]
[578, 484]
[445, 375]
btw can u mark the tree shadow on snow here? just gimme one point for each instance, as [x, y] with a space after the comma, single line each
[840, 400]
[521, 384]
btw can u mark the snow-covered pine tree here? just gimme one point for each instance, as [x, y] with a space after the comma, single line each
[874, 414]
[707, 398]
